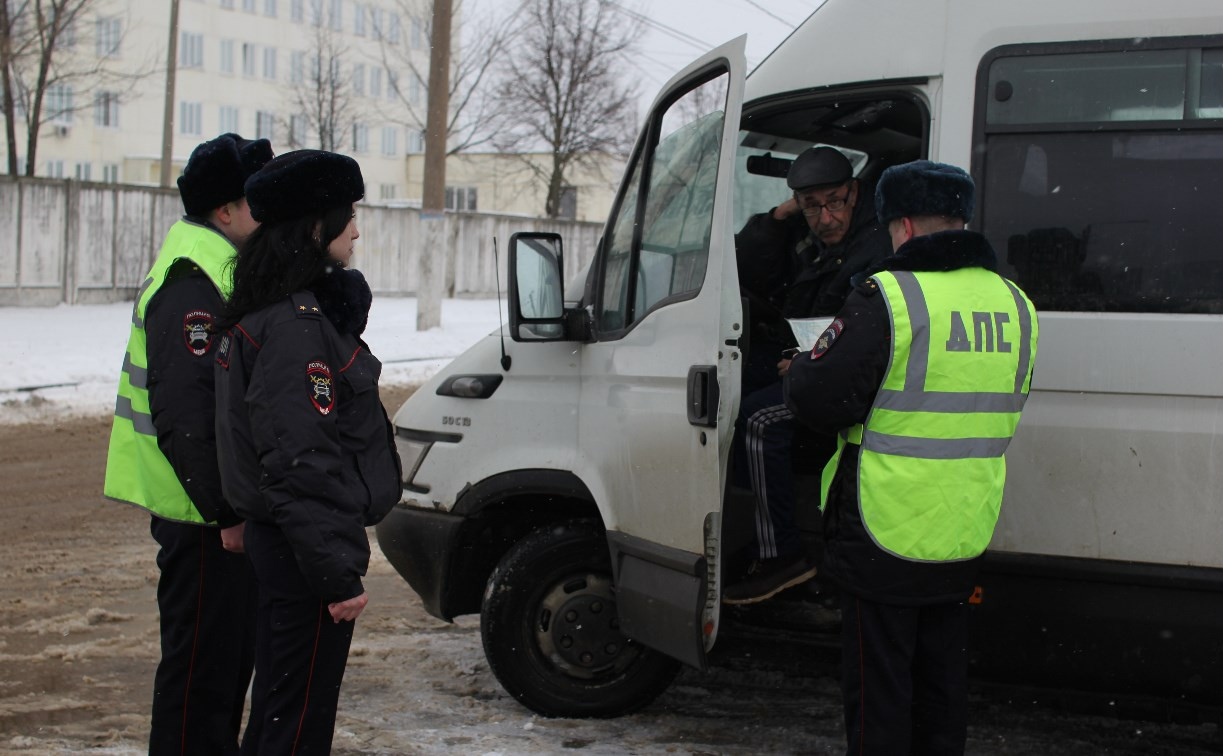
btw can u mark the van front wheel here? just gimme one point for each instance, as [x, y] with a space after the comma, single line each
[551, 633]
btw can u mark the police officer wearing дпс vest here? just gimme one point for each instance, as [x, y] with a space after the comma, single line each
[162, 457]
[922, 375]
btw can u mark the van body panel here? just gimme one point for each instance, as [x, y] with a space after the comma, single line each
[529, 423]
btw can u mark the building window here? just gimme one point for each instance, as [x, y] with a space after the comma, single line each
[296, 10]
[248, 59]
[265, 125]
[358, 19]
[269, 8]
[461, 198]
[297, 66]
[417, 34]
[227, 56]
[336, 17]
[297, 131]
[416, 87]
[59, 105]
[84, 171]
[377, 18]
[269, 62]
[375, 81]
[108, 35]
[248, 6]
[396, 29]
[390, 141]
[416, 142]
[358, 78]
[227, 4]
[190, 118]
[568, 203]
[360, 137]
[55, 169]
[110, 173]
[316, 12]
[387, 191]
[106, 110]
[229, 119]
[191, 50]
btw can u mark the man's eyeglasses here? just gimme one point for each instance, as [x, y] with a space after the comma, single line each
[810, 207]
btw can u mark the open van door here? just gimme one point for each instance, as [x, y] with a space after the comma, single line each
[660, 382]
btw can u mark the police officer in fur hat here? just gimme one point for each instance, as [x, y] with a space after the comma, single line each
[795, 261]
[162, 457]
[923, 375]
[306, 450]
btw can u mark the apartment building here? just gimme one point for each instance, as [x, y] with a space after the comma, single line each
[241, 67]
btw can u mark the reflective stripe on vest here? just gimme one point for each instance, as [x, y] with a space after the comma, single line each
[137, 471]
[931, 465]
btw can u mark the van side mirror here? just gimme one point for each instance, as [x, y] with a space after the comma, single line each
[537, 283]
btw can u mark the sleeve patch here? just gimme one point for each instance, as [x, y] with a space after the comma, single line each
[197, 331]
[320, 387]
[223, 349]
[828, 338]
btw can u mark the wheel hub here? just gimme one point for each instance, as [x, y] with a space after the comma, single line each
[579, 629]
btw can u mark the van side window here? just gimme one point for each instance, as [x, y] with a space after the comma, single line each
[1100, 171]
[658, 247]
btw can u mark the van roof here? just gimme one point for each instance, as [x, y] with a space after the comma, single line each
[849, 41]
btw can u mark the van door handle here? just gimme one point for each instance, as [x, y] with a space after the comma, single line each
[703, 395]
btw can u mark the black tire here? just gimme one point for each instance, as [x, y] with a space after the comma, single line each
[551, 632]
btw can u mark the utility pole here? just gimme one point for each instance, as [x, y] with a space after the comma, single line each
[167, 120]
[431, 278]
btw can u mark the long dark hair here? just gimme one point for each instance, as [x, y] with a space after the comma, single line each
[279, 259]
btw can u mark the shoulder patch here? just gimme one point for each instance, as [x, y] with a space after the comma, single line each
[319, 386]
[197, 331]
[828, 338]
[868, 288]
[223, 349]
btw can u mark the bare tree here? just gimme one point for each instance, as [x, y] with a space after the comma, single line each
[322, 91]
[41, 57]
[472, 98]
[564, 91]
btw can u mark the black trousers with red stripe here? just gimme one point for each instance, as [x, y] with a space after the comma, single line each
[904, 677]
[300, 655]
[206, 598]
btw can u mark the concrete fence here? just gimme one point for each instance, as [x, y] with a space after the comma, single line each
[73, 242]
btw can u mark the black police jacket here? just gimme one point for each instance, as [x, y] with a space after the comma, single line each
[833, 387]
[180, 382]
[303, 441]
[786, 272]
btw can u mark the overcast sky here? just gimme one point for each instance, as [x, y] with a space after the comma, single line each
[679, 31]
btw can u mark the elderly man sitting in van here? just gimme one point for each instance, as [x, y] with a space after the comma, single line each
[795, 261]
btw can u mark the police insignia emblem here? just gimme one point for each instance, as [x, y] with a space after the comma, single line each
[828, 338]
[197, 331]
[319, 386]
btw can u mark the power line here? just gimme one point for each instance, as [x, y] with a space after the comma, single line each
[768, 12]
[670, 31]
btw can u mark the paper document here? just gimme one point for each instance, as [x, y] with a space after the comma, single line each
[807, 330]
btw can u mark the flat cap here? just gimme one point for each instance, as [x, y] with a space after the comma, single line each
[819, 166]
[218, 169]
[924, 188]
[301, 183]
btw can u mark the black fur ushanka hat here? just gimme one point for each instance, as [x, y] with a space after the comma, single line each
[924, 188]
[217, 171]
[303, 182]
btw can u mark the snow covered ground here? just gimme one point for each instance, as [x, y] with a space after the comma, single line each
[64, 361]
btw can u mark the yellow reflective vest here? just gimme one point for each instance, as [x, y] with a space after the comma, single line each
[137, 472]
[931, 465]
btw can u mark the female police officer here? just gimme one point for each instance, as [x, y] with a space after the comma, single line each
[306, 451]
